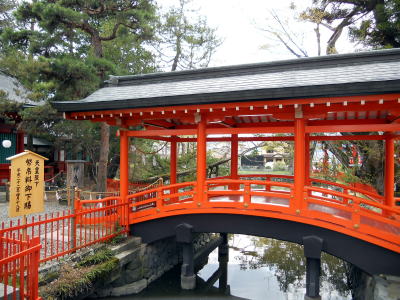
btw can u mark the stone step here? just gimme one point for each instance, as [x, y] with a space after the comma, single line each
[132, 242]
[9, 293]
[128, 256]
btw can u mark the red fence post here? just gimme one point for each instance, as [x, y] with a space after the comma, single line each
[33, 289]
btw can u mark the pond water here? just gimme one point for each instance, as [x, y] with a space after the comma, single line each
[258, 268]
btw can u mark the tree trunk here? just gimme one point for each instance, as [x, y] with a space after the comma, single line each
[103, 161]
[177, 54]
[105, 128]
[29, 142]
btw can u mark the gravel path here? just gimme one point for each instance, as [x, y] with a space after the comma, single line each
[50, 207]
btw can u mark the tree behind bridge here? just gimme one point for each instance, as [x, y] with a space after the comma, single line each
[65, 40]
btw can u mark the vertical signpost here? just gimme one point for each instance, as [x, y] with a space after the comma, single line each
[27, 184]
[27, 193]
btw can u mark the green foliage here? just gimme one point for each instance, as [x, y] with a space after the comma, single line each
[63, 50]
[119, 238]
[8, 108]
[48, 277]
[98, 257]
[382, 26]
[103, 270]
[6, 19]
[372, 23]
[74, 281]
[279, 166]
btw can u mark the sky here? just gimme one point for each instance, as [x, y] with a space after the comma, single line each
[239, 24]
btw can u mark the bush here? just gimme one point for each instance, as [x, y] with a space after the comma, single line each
[279, 166]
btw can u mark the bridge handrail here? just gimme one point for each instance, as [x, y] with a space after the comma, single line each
[267, 176]
[97, 201]
[346, 187]
[355, 199]
[248, 182]
[343, 186]
[162, 188]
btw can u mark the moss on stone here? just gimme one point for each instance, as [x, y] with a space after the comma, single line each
[73, 281]
[96, 258]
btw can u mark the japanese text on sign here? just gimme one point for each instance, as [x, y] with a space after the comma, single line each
[27, 184]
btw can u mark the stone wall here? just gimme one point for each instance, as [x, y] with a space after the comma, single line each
[143, 264]
[377, 287]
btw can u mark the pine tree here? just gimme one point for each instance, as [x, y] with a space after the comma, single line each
[185, 42]
[67, 39]
[373, 23]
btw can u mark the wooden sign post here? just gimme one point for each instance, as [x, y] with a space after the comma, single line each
[27, 184]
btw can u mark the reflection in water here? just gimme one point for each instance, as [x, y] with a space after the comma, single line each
[289, 264]
[258, 268]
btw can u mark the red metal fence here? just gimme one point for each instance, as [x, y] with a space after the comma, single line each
[26, 244]
[19, 263]
[59, 233]
[64, 232]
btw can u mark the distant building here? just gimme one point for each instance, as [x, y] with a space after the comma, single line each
[14, 137]
[10, 135]
[266, 160]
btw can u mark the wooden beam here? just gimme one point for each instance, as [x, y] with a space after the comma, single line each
[166, 132]
[354, 128]
[250, 130]
[186, 110]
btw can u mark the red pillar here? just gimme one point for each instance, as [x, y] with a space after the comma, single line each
[173, 161]
[234, 160]
[201, 158]
[308, 159]
[389, 171]
[20, 142]
[124, 171]
[299, 163]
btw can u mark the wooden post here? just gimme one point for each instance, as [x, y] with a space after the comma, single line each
[299, 163]
[389, 171]
[173, 161]
[173, 168]
[234, 160]
[124, 174]
[201, 158]
[24, 229]
[308, 159]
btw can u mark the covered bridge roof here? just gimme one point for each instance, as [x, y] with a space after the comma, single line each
[364, 73]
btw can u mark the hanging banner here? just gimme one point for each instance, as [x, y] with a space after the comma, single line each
[27, 184]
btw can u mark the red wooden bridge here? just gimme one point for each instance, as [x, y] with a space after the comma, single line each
[342, 98]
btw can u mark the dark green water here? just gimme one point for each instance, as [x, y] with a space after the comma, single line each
[258, 268]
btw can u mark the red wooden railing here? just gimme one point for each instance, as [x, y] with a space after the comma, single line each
[113, 185]
[330, 205]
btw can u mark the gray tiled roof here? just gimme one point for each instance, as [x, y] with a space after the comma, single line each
[15, 91]
[338, 75]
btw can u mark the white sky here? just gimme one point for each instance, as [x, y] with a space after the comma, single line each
[237, 23]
